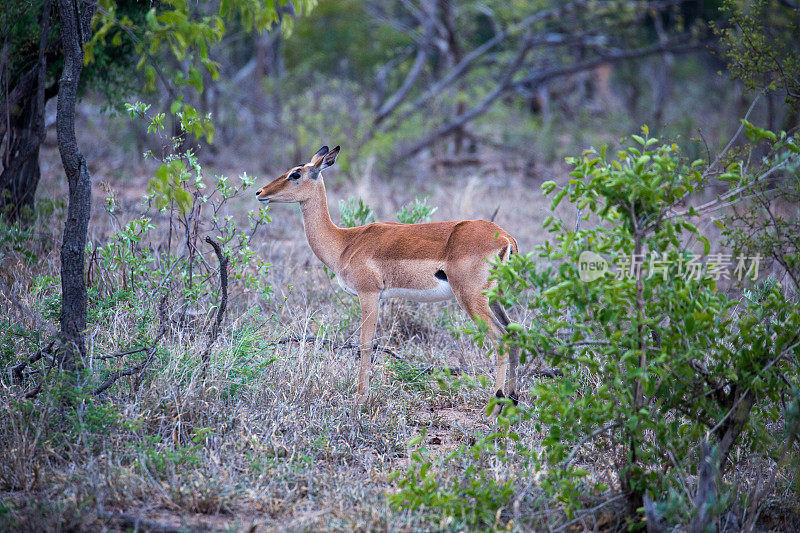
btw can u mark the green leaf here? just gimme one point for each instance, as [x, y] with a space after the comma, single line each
[557, 199]
[706, 244]
[195, 79]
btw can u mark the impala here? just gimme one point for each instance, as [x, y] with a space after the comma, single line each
[427, 262]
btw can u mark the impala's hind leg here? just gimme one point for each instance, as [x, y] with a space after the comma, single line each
[510, 389]
[478, 308]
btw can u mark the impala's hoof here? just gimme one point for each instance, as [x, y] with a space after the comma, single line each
[499, 406]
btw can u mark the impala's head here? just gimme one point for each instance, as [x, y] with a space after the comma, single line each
[300, 182]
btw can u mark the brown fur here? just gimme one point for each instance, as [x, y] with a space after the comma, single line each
[371, 259]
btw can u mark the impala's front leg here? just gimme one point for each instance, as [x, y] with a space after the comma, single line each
[370, 303]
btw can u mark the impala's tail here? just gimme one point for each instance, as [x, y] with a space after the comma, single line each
[509, 249]
[498, 311]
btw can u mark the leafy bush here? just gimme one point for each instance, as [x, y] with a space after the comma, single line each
[355, 213]
[136, 270]
[655, 358]
[416, 211]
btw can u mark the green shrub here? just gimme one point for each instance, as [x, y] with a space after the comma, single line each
[472, 498]
[416, 211]
[355, 213]
[655, 360]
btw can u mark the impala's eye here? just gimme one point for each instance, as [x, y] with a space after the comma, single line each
[295, 175]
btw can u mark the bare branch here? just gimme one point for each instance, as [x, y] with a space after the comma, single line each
[735, 136]
[609, 56]
[468, 61]
[38, 388]
[508, 83]
[476, 111]
[223, 303]
[464, 65]
[16, 370]
[122, 354]
[402, 92]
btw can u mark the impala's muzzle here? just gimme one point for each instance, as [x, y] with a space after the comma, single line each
[260, 199]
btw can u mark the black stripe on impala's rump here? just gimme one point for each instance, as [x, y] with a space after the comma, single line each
[500, 314]
[440, 275]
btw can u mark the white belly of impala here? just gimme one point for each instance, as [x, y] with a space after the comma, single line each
[441, 292]
[345, 287]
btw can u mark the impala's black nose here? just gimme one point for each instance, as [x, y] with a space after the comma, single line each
[258, 192]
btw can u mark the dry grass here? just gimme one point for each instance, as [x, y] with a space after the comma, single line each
[270, 437]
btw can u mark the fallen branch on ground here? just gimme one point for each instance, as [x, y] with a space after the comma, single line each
[336, 345]
[16, 370]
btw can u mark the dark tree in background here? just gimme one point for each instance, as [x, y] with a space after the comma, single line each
[30, 66]
[27, 54]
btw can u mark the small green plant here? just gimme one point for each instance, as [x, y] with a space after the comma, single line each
[158, 456]
[411, 377]
[416, 211]
[355, 213]
[246, 366]
[468, 500]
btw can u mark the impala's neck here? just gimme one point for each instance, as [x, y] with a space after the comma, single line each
[325, 238]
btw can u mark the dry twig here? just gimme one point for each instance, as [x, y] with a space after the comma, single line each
[223, 303]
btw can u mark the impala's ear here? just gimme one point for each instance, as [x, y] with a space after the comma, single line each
[316, 158]
[328, 159]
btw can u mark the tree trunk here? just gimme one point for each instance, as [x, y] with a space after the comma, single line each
[20, 175]
[25, 133]
[76, 19]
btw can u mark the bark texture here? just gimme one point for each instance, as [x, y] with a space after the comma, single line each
[76, 16]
